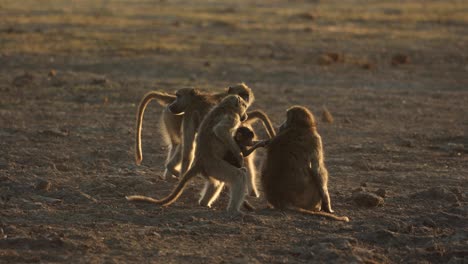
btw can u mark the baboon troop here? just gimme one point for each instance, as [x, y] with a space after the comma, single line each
[211, 134]
[213, 141]
[181, 117]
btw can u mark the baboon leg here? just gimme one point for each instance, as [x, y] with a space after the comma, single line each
[320, 175]
[252, 175]
[235, 178]
[326, 201]
[173, 159]
[171, 130]
[210, 192]
[189, 129]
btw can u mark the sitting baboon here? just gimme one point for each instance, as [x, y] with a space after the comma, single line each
[178, 136]
[294, 175]
[214, 140]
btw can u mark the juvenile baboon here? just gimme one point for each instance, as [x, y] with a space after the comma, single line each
[294, 174]
[175, 134]
[214, 140]
[244, 138]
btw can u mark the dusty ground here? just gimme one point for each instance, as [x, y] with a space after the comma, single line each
[72, 72]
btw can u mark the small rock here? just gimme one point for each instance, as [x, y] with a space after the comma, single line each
[43, 185]
[324, 60]
[99, 81]
[381, 192]
[398, 59]
[308, 16]
[335, 57]
[367, 65]
[52, 73]
[367, 199]
[429, 222]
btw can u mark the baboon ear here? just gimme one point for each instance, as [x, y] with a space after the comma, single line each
[229, 89]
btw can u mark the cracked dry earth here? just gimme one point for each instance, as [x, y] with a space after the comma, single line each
[393, 74]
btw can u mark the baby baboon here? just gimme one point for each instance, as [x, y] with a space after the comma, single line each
[172, 123]
[294, 174]
[214, 140]
[244, 137]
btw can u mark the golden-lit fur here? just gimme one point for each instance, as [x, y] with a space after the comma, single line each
[180, 109]
[294, 175]
[214, 140]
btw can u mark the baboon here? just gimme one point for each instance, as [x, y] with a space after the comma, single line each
[178, 117]
[294, 175]
[214, 140]
[175, 134]
[244, 138]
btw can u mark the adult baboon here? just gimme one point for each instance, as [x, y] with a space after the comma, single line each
[175, 134]
[214, 140]
[294, 175]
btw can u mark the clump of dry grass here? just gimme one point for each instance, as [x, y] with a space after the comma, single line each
[327, 117]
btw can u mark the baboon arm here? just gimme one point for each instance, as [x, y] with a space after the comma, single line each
[260, 115]
[224, 131]
[319, 174]
[258, 144]
[189, 131]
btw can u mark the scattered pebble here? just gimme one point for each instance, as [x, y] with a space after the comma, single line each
[367, 199]
[99, 81]
[308, 16]
[399, 59]
[52, 73]
[43, 185]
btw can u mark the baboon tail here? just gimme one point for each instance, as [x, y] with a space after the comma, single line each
[319, 213]
[163, 99]
[171, 198]
[260, 115]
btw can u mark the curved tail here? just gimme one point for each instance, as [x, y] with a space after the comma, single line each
[320, 213]
[163, 99]
[260, 115]
[173, 196]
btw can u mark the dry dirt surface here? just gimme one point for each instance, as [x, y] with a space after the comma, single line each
[392, 74]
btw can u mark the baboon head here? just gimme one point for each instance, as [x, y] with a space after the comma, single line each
[243, 91]
[244, 136]
[237, 104]
[298, 117]
[183, 99]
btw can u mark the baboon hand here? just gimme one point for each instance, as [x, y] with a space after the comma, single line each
[263, 143]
